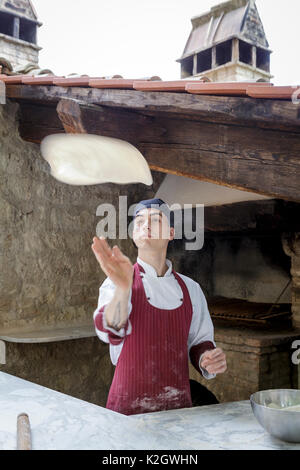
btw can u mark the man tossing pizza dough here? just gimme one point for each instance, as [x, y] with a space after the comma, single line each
[154, 319]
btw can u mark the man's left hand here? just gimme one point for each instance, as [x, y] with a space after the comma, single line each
[214, 361]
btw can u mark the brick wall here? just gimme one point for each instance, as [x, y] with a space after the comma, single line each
[255, 361]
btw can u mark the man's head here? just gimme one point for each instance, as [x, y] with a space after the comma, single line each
[153, 224]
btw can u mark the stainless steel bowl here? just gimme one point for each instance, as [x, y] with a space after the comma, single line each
[284, 425]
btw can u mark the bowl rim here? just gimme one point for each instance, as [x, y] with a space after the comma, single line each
[272, 390]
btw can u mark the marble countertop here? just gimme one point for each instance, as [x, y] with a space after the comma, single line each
[62, 422]
[227, 426]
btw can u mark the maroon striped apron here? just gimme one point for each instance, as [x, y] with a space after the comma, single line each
[152, 372]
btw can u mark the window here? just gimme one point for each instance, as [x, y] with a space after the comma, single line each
[224, 53]
[263, 59]
[204, 60]
[245, 54]
[28, 31]
[187, 67]
[6, 24]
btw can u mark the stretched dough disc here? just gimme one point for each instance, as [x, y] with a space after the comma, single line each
[84, 159]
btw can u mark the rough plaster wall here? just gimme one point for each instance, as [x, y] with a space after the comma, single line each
[49, 274]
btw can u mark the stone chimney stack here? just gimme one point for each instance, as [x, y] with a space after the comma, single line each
[227, 44]
[18, 33]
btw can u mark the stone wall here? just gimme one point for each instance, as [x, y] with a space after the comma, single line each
[50, 275]
[255, 361]
[291, 245]
[17, 52]
[236, 72]
[253, 28]
[81, 368]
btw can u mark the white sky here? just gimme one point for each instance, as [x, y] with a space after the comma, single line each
[141, 38]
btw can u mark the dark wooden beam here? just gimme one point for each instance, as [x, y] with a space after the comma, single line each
[241, 111]
[37, 122]
[79, 117]
[249, 159]
[69, 113]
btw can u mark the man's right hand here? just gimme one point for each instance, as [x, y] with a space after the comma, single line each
[114, 263]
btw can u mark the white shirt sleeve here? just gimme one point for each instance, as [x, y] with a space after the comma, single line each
[106, 293]
[202, 328]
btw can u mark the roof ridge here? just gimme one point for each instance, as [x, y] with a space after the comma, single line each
[217, 10]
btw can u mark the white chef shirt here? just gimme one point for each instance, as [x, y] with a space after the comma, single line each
[164, 293]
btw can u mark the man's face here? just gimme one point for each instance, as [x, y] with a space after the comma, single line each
[151, 228]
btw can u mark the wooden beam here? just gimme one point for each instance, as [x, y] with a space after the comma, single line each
[78, 117]
[223, 169]
[69, 113]
[37, 122]
[256, 160]
[249, 112]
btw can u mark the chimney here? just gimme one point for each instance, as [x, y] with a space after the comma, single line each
[227, 44]
[18, 33]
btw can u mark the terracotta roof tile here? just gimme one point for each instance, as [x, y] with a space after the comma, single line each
[13, 79]
[48, 80]
[276, 92]
[173, 85]
[72, 81]
[112, 83]
[227, 89]
[198, 86]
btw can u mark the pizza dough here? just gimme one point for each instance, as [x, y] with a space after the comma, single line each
[85, 159]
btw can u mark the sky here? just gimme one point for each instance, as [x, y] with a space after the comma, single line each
[143, 38]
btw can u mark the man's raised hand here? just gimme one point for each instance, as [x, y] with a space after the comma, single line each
[114, 263]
